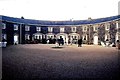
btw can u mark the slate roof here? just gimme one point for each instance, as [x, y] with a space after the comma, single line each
[58, 23]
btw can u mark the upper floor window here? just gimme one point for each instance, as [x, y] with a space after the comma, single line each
[84, 28]
[50, 29]
[95, 28]
[107, 27]
[3, 26]
[27, 28]
[15, 27]
[62, 29]
[38, 28]
[73, 29]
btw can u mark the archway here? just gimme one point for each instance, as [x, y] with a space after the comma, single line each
[16, 39]
[95, 39]
[64, 36]
[74, 37]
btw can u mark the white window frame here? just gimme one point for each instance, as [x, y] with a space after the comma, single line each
[74, 29]
[107, 36]
[50, 29]
[85, 36]
[27, 36]
[4, 36]
[62, 29]
[38, 29]
[107, 27]
[3, 26]
[95, 28]
[84, 28]
[27, 28]
[15, 27]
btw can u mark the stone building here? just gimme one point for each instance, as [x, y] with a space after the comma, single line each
[92, 31]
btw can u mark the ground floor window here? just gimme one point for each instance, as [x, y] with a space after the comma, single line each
[27, 37]
[4, 37]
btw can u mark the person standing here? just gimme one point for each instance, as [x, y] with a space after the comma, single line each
[118, 44]
[79, 42]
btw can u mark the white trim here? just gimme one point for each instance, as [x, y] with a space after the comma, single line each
[73, 29]
[95, 28]
[95, 39]
[38, 35]
[107, 26]
[27, 36]
[84, 28]
[16, 41]
[50, 29]
[3, 26]
[15, 27]
[38, 29]
[62, 29]
[27, 28]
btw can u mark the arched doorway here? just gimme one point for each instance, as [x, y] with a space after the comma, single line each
[16, 39]
[73, 37]
[64, 36]
[95, 40]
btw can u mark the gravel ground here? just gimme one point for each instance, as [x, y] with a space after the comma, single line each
[39, 61]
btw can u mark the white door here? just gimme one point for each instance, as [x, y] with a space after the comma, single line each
[95, 40]
[15, 39]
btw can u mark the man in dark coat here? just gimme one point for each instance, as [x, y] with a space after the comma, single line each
[80, 43]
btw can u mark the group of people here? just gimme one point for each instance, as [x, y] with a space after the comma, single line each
[61, 42]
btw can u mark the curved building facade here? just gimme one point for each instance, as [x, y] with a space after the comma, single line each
[92, 31]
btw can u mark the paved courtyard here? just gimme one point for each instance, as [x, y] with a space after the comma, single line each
[37, 61]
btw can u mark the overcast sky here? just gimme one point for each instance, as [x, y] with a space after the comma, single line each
[59, 9]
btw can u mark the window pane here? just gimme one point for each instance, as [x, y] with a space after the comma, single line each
[3, 26]
[15, 27]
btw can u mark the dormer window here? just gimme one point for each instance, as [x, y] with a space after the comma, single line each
[27, 28]
[50, 29]
[62, 29]
[73, 29]
[15, 27]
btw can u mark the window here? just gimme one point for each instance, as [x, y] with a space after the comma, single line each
[15, 27]
[107, 26]
[107, 36]
[4, 36]
[95, 28]
[38, 28]
[73, 29]
[27, 28]
[85, 28]
[85, 37]
[3, 26]
[50, 29]
[27, 37]
[62, 29]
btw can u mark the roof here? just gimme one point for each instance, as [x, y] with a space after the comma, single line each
[59, 23]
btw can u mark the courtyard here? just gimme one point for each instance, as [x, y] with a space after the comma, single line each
[39, 61]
